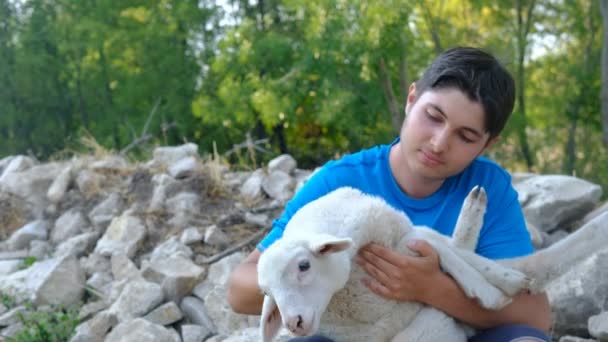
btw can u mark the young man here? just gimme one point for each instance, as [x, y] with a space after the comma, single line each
[453, 114]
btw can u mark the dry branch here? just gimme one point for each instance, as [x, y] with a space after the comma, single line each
[219, 256]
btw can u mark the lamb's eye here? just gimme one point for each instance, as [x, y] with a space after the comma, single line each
[304, 265]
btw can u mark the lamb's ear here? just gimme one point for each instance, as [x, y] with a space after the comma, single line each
[327, 244]
[270, 321]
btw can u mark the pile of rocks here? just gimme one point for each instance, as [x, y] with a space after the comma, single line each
[145, 249]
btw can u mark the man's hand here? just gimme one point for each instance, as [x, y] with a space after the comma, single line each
[401, 277]
[419, 278]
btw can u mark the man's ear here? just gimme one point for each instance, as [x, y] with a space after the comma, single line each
[491, 143]
[411, 97]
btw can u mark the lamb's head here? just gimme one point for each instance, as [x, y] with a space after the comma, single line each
[299, 276]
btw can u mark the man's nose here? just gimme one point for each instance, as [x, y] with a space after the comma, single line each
[440, 141]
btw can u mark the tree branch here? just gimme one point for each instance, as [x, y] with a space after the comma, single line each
[403, 76]
[529, 14]
[149, 119]
[249, 144]
[144, 137]
[389, 95]
[229, 251]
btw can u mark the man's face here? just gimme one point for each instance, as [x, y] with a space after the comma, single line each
[443, 132]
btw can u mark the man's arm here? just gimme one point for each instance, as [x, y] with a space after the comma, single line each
[244, 295]
[447, 296]
[406, 278]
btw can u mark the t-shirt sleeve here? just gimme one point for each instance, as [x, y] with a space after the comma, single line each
[505, 234]
[314, 188]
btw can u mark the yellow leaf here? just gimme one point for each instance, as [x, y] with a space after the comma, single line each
[139, 14]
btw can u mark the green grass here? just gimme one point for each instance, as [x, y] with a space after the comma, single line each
[50, 324]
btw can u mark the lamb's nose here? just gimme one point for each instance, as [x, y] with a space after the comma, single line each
[296, 324]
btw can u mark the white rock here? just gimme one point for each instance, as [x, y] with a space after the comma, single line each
[183, 167]
[598, 326]
[35, 230]
[191, 235]
[51, 281]
[284, 163]
[168, 155]
[549, 201]
[216, 237]
[139, 330]
[60, 185]
[124, 235]
[279, 185]
[136, 299]
[252, 188]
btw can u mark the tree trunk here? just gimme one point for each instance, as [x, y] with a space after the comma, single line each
[279, 135]
[604, 10]
[433, 27]
[389, 95]
[523, 28]
[569, 163]
[573, 113]
[403, 75]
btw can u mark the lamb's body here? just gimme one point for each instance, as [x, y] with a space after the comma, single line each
[355, 313]
[310, 272]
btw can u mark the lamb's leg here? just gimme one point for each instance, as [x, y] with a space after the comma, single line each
[547, 264]
[432, 325]
[465, 236]
[509, 280]
[470, 220]
[473, 283]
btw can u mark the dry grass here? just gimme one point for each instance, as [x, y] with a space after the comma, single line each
[12, 214]
[214, 167]
[90, 143]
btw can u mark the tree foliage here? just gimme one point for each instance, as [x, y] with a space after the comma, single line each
[316, 78]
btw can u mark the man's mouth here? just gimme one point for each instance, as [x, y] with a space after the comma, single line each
[430, 159]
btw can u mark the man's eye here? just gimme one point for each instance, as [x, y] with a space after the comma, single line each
[432, 117]
[466, 139]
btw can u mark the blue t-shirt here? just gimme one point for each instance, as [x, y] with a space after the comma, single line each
[504, 233]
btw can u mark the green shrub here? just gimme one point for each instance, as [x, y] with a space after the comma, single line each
[28, 262]
[7, 301]
[55, 325]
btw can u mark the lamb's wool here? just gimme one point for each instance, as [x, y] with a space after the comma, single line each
[327, 233]
[348, 213]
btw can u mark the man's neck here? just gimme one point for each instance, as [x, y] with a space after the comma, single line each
[413, 185]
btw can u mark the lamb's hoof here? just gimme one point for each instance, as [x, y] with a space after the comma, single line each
[494, 301]
[489, 295]
[474, 207]
[514, 282]
[470, 220]
[476, 201]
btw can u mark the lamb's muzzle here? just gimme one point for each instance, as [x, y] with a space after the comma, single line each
[297, 325]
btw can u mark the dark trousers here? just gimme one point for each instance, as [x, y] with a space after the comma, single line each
[510, 333]
[504, 333]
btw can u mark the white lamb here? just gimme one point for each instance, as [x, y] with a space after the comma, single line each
[306, 275]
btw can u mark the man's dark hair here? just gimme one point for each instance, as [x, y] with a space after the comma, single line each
[478, 74]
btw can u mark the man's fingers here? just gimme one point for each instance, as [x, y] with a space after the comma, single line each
[421, 247]
[378, 273]
[385, 254]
